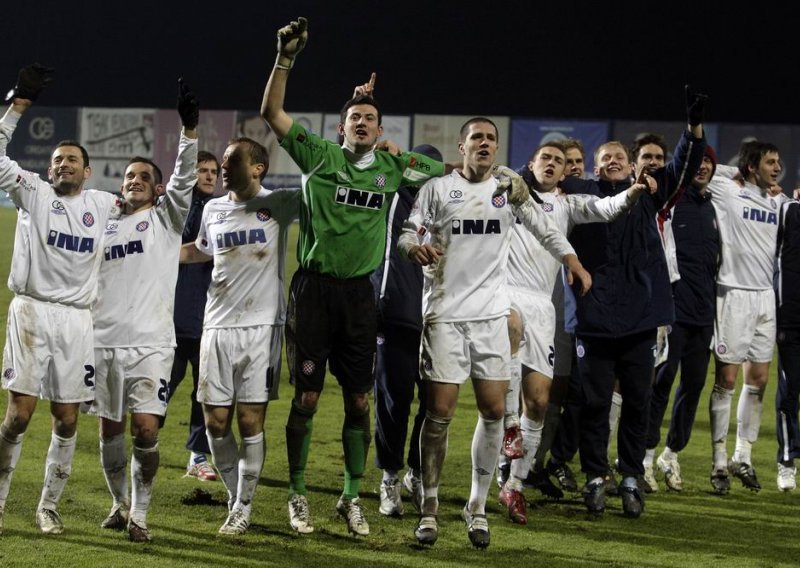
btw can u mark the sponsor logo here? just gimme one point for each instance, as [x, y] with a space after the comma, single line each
[499, 201]
[111, 228]
[9, 373]
[88, 219]
[427, 364]
[221, 216]
[58, 208]
[141, 227]
[381, 339]
[759, 215]
[263, 214]
[475, 227]
[359, 198]
[308, 367]
[456, 194]
[239, 238]
[580, 351]
[70, 242]
[25, 184]
[122, 250]
[722, 348]
[42, 128]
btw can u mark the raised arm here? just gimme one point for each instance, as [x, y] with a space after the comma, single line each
[291, 41]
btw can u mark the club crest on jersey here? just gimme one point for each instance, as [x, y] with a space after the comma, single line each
[25, 184]
[380, 181]
[58, 208]
[141, 227]
[359, 198]
[475, 227]
[263, 214]
[88, 219]
[547, 207]
[499, 200]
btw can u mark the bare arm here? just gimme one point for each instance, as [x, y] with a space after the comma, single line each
[190, 254]
[291, 40]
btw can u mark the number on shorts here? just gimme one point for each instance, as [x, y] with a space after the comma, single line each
[163, 391]
[88, 378]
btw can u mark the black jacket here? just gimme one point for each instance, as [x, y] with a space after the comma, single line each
[787, 275]
[630, 291]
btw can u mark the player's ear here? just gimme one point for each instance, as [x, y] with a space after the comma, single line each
[340, 129]
[87, 172]
[461, 148]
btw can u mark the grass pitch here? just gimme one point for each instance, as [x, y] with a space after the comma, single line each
[693, 528]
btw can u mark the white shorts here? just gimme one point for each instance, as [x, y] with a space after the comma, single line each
[132, 380]
[744, 329]
[48, 351]
[536, 352]
[453, 352]
[240, 364]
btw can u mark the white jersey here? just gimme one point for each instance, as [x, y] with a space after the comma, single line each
[248, 242]
[136, 295]
[58, 240]
[748, 229]
[473, 228]
[530, 266]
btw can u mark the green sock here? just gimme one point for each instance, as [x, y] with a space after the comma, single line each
[298, 439]
[356, 444]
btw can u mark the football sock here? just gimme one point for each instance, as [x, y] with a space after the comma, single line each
[57, 470]
[251, 461]
[486, 443]
[226, 458]
[720, 411]
[511, 417]
[649, 455]
[433, 449]
[355, 441]
[531, 437]
[144, 465]
[114, 460]
[10, 448]
[389, 477]
[298, 438]
[751, 403]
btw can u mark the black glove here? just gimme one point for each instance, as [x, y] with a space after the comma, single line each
[695, 106]
[30, 82]
[188, 107]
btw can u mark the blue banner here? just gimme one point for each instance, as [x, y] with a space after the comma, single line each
[527, 134]
[37, 133]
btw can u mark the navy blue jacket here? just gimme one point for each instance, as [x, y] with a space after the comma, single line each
[787, 275]
[630, 290]
[697, 243]
[193, 279]
[398, 282]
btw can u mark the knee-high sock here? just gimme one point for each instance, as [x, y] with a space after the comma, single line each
[433, 449]
[57, 470]
[512, 394]
[552, 420]
[114, 460]
[144, 466]
[10, 449]
[251, 462]
[613, 418]
[751, 404]
[485, 445]
[719, 407]
[531, 437]
[226, 458]
[299, 427]
[355, 442]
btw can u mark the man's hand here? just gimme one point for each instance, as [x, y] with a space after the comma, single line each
[645, 182]
[510, 181]
[424, 254]
[366, 89]
[774, 190]
[576, 270]
[31, 80]
[188, 106]
[388, 146]
[292, 38]
[695, 106]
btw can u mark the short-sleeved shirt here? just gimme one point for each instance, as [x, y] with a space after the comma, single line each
[344, 203]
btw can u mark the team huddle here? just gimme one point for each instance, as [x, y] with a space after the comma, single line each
[570, 303]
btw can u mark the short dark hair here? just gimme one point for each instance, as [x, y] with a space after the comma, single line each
[204, 156]
[360, 100]
[140, 160]
[256, 152]
[77, 144]
[573, 143]
[645, 139]
[750, 154]
[462, 134]
[613, 143]
[558, 144]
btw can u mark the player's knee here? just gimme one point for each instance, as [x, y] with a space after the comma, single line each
[66, 426]
[436, 422]
[307, 400]
[515, 328]
[299, 416]
[357, 417]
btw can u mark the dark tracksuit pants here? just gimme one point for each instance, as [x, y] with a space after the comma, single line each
[188, 352]
[786, 399]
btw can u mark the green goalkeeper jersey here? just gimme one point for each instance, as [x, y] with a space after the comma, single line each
[343, 207]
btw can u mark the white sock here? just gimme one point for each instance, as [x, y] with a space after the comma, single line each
[195, 458]
[649, 455]
[114, 460]
[433, 450]
[390, 477]
[485, 445]
[751, 404]
[720, 412]
[226, 458]
[57, 470]
[531, 437]
[669, 454]
[144, 465]
[251, 462]
[511, 417]
[10, 449]
[613, 418]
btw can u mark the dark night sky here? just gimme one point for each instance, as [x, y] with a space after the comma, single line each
[564, 59]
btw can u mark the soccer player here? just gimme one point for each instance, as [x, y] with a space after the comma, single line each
[460, 229]
[58, 246]
[744, 327]
[134, 352]
[531, 277]
[346, 191]
[190, 303]
[245, 232]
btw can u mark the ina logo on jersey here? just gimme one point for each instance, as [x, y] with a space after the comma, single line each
[359, 198]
